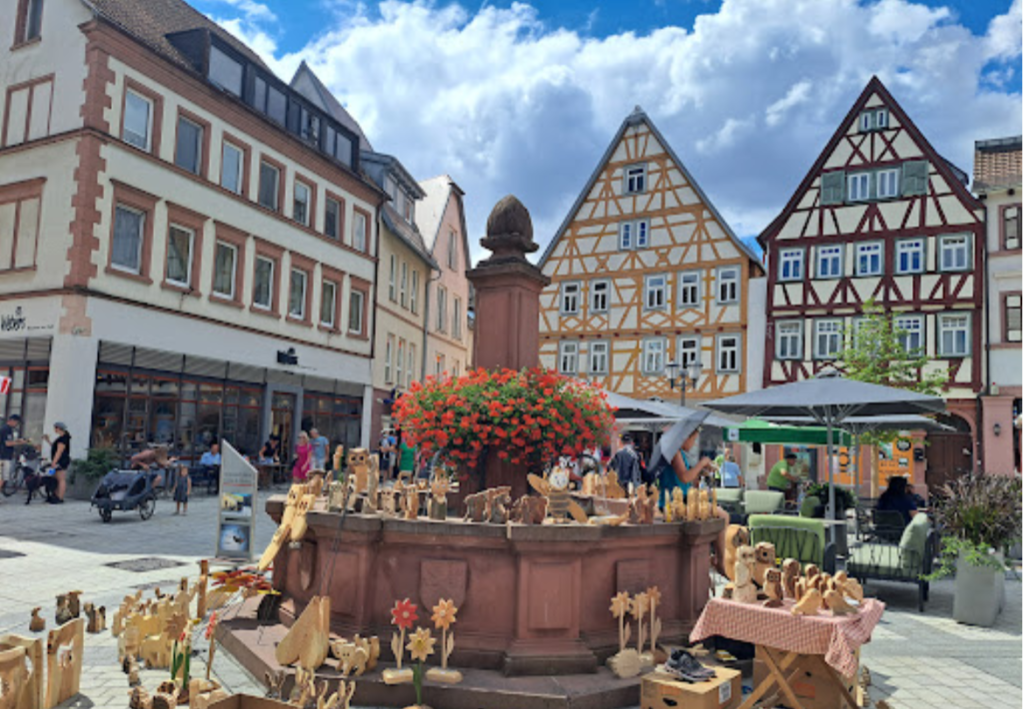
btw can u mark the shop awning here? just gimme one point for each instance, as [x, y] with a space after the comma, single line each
[761, 431]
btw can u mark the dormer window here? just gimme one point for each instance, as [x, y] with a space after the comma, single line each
[635, 179]
[225, 72]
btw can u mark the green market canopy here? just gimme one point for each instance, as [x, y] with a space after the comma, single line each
[761, 431]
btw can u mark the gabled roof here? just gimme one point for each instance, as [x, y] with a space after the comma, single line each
[326, 100]
[953, 175]
[633, 119]
[384, 164]
[150, 21]
[430, 210]
[997, 163]
[407, 233]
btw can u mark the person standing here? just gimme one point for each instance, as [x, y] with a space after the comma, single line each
[783, 474]
[303, 458]
[182, 489]
[387, 454]
[9, 442]
[728, 473]
[320, 445]
[406, 456]
[60, 460]
[626, 463]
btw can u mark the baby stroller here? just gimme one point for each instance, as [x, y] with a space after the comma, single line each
[125, 490]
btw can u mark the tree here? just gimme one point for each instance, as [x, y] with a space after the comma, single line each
[876, 352]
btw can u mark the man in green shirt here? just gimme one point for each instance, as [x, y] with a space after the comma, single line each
[783, 474]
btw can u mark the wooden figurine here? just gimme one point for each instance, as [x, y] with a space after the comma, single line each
[849, 587]
[274, 681]
[372, 486]
[654, 598]
[613, 489]
[530, 509]
[437, 504]
[555, 487]
[837, 604]
[64, 646]
[133, 672]
[63, 612]
[626, 662]
[443, 617]
[744, 589]
[36, 623]
[307, 641]
[500, 504]
[790, 574]
[299, 524]
[165, 696]
[703, 506]
[201, 587]
[811, 570]
[693, 505]
[809, 603]
[342, 699]
[352, 657]
[138, 698]
[644, 504]
[97, 618]
[202, 693]
[773, 587]
[678, 505]
[336, 496]
[477, 507]
[283, 533]
[403, 615]
[410, 502]
[339, 455]
[21, 672]
[736, 536]
[74, 603]
[358, 470]
[764, 559]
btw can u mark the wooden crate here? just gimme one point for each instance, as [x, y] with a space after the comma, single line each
[661, 691]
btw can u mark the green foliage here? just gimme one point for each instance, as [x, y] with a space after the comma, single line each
[978, 513]
[844, 498]
[874, 353]
[417, 682]
[97, 463]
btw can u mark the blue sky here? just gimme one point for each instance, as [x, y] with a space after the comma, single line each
[524, 97]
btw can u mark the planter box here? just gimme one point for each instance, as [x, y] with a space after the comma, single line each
[80, 487]
[980, 594]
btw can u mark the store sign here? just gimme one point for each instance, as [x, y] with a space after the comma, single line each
[28, 319]
[237, 522]
[5, 385]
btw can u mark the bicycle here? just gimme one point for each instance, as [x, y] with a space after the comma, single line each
[27, 463]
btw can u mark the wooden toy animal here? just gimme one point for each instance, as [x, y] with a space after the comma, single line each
[773, 587]
[790, 575]
[555, 487]
[63, 613]
[764, 559]
[703, 506]
[477, 507]
[304, 690]
[165, 696]
[736, 536]
[352, 657]
[744, 589]
[273, 681]
[97, 618]
[138, 698]
[36, 623]
[358, 470]
[411, 502]
[678, 507]
[437, 504]
[530, 509]
[693, 505]
[201, 695]
[613, 489]
[647, 503]
[500, 504]
[809, 603]
[64, 647]
[837, 604]
[811, 571]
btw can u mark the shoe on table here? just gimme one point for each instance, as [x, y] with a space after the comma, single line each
[687, 668]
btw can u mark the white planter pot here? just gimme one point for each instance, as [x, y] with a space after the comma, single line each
[979, 593]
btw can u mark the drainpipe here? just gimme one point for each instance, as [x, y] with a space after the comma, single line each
[426, 324]
[987, 335]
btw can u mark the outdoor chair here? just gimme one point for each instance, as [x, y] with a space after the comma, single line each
[730, 499]
[763, 502]
[812, 507]
[907, 561]
[800, 538]
[886, 527]
[205, 475]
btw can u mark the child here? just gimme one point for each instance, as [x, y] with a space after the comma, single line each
[182, 489]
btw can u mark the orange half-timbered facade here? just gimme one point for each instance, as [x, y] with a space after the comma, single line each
[880, 215]
[644, 271]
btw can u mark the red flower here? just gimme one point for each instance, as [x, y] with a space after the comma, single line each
[404, 614]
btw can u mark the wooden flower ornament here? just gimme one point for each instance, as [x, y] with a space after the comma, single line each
[403, 615]
[443, 617]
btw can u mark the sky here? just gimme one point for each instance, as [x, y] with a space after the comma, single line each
[524, 97]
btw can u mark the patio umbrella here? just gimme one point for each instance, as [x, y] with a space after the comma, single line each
[672, 440]
[829, 399]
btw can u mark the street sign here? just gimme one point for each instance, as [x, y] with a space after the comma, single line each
[236, 525]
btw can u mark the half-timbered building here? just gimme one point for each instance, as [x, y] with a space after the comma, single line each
[645, 270]
[880, 215]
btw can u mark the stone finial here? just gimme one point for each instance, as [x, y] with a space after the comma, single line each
[509, 231]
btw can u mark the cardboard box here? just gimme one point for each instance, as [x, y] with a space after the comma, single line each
[661, 691]
[245, 701]
[811, 687]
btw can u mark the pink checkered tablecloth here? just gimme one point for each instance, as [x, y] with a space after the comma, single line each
[835, 637]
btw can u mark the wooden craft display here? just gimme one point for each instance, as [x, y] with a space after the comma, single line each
[64, 647]
[357, 655]
[437, 505]
[773, 587]
[36, 623]
[308, 640]
[736, 536]
[201, 587]
[443, 617]
[97, 618]
[530, 509]
[403, 615]
[21, 672]
[764, 559]
[203, 692]
[555, 487]
[742, 589]
[626, 662]
[654, 599]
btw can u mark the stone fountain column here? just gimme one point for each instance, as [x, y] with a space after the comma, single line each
[507, 325]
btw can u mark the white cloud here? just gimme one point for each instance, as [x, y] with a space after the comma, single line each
[748, 96]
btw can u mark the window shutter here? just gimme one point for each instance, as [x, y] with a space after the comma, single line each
[832, 184]
[915, 177]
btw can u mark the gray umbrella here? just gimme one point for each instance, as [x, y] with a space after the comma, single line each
[829, 399]
[672, 440]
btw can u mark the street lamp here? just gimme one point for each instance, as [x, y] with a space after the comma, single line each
[683, 374]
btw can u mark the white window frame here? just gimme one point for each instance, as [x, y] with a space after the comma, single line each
[643, 233]
[735, 350]
[688, 350]
[301, 314]
[569, 295]
[403, 284]
[326, 285]
[885, 178]
[833, 333]
[600, 295]
[1011, 301]
[634, 235]
[656, 288]
[187, 282]
[794, 257]
[457, 318]
[354, 295]
[414, 293]
[217, 246]
[910, 246]
[913, 324]
[400, 361]
[239, 173]
[270, 283]
[625, 236]
[389, 349]
[141, 238]
[442, 309]
[962, 242]
[453, 256]
[858, 187]
[689, 282]
[881, 120]
[943, 328]
[869, 249]
[359, 228]
[788, 333]
[634, 179]
[410, 371]
[147, 139]
[200, 137]
[277, 186]
[393, 278]
[307, 203]
[568, 356]
[599, 356]
[830, 253]
[653, 360]
[727, 277]
[337, 218]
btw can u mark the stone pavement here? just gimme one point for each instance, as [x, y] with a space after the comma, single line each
[916, 660]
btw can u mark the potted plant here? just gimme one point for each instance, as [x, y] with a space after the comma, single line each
[979, 517]
[844, 497]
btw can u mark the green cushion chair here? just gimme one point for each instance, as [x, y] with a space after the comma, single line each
[763, 502]
[730, 499]
[907, 561]
[800, 538]
[809, 507]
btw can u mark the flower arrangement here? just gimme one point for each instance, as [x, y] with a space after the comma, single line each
[528, 416]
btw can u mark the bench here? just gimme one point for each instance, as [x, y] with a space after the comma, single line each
[908, 561]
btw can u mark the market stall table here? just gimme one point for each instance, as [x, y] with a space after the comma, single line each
[793, 644]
